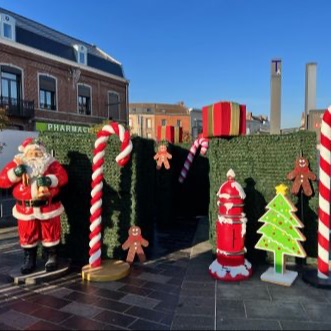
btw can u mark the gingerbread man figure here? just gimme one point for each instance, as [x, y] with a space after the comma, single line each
[301, 176]
[162, 156]
[134, 243]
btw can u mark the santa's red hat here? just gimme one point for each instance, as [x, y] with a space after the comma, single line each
[29, 143]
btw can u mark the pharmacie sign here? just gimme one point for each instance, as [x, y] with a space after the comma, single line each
[60, 127]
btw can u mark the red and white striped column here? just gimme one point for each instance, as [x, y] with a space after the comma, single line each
[324, 196]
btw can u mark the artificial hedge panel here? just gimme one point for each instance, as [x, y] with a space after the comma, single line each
[261, 162]
[122, 202]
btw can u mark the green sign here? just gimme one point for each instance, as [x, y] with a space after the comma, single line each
[61, 127]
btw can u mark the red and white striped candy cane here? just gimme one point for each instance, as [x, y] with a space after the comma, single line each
[97, 178]
[324, 196]
[200, 141]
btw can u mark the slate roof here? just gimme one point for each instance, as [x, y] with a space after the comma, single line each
[41, 37]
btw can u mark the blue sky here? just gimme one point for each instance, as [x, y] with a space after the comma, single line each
[201, 52]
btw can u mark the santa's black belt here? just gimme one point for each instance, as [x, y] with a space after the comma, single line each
[37, 203]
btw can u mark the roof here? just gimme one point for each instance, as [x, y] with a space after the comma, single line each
[41, 37]
[160, 108]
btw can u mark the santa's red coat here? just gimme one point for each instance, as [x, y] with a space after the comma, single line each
[58, 175]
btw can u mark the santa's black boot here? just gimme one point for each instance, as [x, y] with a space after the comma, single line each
[29, 264]
[51, 263]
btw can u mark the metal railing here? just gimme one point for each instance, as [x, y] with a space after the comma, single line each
[17, 107]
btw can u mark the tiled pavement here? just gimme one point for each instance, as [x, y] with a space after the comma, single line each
[172, 291]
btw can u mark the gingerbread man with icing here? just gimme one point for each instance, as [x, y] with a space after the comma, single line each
[301, 176]
[134, 243]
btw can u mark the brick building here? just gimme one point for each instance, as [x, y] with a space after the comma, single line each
[52, 81]
[144, 118]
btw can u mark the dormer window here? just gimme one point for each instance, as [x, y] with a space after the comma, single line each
[81, 54]
[7, 27]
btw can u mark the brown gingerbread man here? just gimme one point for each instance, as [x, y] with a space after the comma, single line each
[134, 243]
[301, 176]
[162, 156]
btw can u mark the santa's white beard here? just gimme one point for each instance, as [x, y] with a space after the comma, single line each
[37, 166]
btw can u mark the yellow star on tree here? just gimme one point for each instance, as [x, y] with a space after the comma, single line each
[281, 189]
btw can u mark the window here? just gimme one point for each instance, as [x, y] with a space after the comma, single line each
[47, 92]
[7, 27]
[149, 110]
[179, 122]
[84, 99]
[113, 106]
[10, 85]
[163, 122]
[81, 54]
[149, 123]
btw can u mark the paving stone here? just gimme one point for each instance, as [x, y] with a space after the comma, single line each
[114, 318]
[230, 309]
[193, 322]
[154, 278]
[307, 325]
[143, 291]
[82, 297]
[48, 300]
[24, 307]
[81, 309]
[6, 327]
[112, 305]
[146, 325]
[247, 324]
[43, 325]
[167, 288]
[297, 293]
[83, 323]
[17, 320]
[137, 300]
[238, 292]
[275, 310]
[147, 314]
[60, 292]
[51, 315]
[188, 305]
[318, 312]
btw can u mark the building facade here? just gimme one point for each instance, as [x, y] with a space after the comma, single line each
[51, 80]
[196, 122]
[144, 118]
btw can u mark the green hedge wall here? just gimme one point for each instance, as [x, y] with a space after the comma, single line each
[140, 194]
[261, 162]
[128, 192]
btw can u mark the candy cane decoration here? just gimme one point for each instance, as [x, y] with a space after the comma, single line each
[200, 141]
[324, 196]
[97, 178]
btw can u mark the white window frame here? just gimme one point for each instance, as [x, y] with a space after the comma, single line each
[22, 76]
[10, 21]
[80, 50]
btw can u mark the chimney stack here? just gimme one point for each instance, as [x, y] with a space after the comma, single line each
[310, 92]
[275, 102]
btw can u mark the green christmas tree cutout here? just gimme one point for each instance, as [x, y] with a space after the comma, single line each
[280, 233]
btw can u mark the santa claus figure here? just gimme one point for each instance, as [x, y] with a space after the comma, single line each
[36, 178]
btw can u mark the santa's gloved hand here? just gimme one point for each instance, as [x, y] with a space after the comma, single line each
[20, 170]
[44, 181]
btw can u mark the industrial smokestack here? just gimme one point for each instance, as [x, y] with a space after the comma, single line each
[310, 92]
[275, 101]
